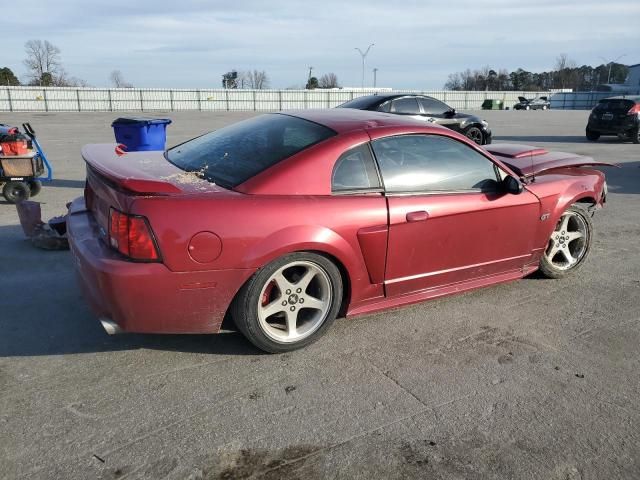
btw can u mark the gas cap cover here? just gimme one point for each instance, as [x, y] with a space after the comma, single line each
[205, 247]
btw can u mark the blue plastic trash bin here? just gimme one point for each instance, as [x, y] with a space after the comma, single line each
[140, 133]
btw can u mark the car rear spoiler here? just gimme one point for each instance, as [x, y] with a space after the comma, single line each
[127, 171]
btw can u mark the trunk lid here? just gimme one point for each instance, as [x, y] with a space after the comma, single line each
[527, 160]
[116, 179]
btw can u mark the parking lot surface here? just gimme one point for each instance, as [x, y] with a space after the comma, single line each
[536, 379]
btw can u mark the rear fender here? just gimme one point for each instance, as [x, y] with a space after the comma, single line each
[321, 240]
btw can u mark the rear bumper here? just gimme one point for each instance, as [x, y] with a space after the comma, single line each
[146, 297]
[623, 126]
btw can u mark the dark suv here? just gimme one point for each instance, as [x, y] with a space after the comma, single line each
[615, 116]
[427, 109]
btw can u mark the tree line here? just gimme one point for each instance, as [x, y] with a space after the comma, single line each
[565, 75]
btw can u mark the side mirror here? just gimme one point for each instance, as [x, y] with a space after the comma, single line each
[512, 185]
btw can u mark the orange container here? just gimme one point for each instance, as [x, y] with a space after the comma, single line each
[14, 147]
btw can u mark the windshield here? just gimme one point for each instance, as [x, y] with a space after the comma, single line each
[234, 154]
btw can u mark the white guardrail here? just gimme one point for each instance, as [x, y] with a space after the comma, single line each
[63, 99]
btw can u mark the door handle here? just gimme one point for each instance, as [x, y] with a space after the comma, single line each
[419, 216]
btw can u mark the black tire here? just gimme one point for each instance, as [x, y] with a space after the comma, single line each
[635, 135]
[244, 308]
[547, 268]
[35, 186]
[15, 192]
[475, 134]
[592, 135]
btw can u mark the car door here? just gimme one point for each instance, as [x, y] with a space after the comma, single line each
[438, 112]
[407, 106]
[449, 221]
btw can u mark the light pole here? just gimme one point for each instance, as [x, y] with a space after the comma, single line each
[375, 74]
[364, 55]
[610, 64]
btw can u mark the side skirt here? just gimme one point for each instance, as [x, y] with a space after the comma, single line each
[416, 297]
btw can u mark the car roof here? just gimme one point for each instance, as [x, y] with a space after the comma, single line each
[634, 98]
[387, 96]
[343, 120]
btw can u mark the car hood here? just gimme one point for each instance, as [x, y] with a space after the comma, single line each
[527, 160]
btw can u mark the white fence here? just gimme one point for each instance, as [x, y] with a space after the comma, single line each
[54, 99]
[579, 100]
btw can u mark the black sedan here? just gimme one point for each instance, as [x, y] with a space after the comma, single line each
[427, 109]
[540, 103]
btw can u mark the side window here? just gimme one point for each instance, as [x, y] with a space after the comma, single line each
[432, 163]
[355, 170]
[385, 107]
[433, 106]
[406, 105]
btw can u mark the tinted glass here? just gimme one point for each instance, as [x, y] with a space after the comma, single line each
[617, 104]
[361, 103]
[236, 153]
[433, 106]
[355, 170]
[419, 163]
[385, 107]
[405, 105]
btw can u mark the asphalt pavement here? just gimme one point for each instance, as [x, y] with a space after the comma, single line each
[535, 379]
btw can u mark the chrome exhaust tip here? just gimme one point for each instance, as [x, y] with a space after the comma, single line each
[111, 327]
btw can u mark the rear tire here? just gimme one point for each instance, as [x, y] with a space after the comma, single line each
[569, 244]
[15, 192]
[289, 303]
[635, 135]
[592, 135]
[35, 186]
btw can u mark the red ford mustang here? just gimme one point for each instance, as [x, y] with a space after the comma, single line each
[284, 221]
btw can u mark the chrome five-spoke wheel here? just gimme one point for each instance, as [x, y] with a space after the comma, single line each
[569, 243]
[295, 301]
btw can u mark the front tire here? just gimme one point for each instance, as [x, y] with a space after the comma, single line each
[635, 135]
[569, 244]
[289, 303]
[15, 192]
[592, 135]
[475, 134]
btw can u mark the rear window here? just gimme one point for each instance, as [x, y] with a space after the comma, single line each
[361, 103]
[614, 104]
[234, 154]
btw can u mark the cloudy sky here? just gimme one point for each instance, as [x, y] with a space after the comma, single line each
[191, 43]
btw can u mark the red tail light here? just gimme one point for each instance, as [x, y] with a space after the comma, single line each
[634, 110]
[132, 236]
